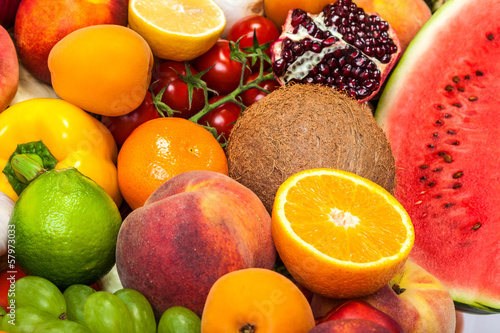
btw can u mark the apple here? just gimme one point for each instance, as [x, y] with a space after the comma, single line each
[8, 10]
[40, 24]
[9, 69]
[357, 309]
[349, 326]
[414, 298]
[193, 229]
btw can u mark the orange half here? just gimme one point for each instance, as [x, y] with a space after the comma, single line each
[338, 234]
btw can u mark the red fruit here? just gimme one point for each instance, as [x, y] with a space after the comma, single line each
[122, 126]
[8, 10]
[251, 96]
[221, 118]
[354, 309]
[341, 47]
[176, 94]
[349, 326]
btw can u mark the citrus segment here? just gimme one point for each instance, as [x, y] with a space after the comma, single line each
[333, 228]
[177, 29]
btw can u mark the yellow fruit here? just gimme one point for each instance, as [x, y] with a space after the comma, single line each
[338, 234]
[177, 29]
[104, 69]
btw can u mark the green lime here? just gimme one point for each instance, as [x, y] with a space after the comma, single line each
[179, 319]
[66, 227]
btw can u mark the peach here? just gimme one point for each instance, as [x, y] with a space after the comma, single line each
[414, 298]
[349, 326]
[196, 227]
[9, 69]
[405, 16]
[40, 24]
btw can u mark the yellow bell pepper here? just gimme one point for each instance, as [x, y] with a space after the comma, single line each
[72, 136]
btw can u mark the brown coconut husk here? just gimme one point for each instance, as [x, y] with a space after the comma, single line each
[301, 127]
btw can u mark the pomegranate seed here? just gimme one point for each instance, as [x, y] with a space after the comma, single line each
[287, 42]
[360, 61]
[362, 92]
[329, 41]
[376, 74]
[316, 47]
[297, 49]
[298, 16]
[386, 58]
[287, 56]
[368, 50]
[319, 79]
[324, 69]
[279, 66]
[306, 43]
[338, 53]
[342, 61]
[336, 72]
[346, 70]
[351, 92]
[365, 75]
[311, 28]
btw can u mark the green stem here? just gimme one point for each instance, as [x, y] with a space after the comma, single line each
[27, 167]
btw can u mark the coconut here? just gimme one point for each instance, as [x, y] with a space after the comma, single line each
[306, 126]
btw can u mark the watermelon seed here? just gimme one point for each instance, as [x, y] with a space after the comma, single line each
[447, 115]
[418, 202]
[490, 37]
[423, 178]
[423, 166]
[451, 132]
[438, 196]
[431, 184]
[456, 143]
[437, 169]
[456, 79]
[458, 105]
[439, 122]
[473, 98]
[458, 174]
[448, 88]
[448, 205]
[467, 77]
[430, 146]
[461, 89]
[440, 107]
[479, 73]
[457, 186]
[476, 226]
[435, 135]
[447, 158]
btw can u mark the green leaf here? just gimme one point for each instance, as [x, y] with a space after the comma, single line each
[30, 148]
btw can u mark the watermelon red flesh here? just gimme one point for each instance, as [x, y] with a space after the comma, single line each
[441, 113]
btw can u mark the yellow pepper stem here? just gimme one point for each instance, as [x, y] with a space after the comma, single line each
[27, 167]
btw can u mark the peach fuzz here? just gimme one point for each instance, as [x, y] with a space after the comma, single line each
[196, 227]
[9, 69]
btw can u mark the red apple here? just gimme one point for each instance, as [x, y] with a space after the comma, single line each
[356, 309]
[40, 24]
[414, 298]
[349, 326]
[9, 69]
[8, 9]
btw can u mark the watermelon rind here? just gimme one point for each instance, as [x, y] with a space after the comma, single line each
[465, 301]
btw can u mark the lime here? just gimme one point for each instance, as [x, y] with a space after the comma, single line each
[66, 228]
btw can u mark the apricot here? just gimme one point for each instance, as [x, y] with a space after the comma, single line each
[256, 300]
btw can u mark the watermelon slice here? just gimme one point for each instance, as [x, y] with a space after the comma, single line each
[441, 112]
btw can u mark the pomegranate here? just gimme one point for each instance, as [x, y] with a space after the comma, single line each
[342, 47]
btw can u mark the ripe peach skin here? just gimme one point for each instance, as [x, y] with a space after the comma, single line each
[196, 227]
[349, 326]
[40, 24]
[405, 16]
[256, 300]
[423, 305]
[9, 69]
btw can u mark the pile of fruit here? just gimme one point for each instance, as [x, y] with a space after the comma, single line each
[248, 166]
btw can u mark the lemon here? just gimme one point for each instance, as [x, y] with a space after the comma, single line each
[177, 30]
[65, 228]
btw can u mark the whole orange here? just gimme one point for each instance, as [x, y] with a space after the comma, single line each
[277, 10]
[256, 300]
[161, 148]
[104, 69]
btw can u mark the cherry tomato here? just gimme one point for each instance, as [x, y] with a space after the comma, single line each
[176, 94]
[222, 117]
[225, 75]
[264, 28]
[253, 95]
[122, 126]
[6, 279]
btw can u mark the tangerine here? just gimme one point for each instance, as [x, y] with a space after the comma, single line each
[161, 148]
